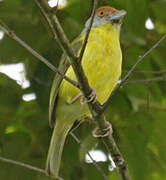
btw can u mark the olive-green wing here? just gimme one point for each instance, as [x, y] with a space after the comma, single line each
[63, 66]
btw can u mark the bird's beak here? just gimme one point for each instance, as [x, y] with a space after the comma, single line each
[118, 15]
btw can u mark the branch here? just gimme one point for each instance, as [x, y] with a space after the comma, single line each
[58, 31]
[93, 161]
[94, 6]
[23, 165]
[146, 81]
[148, 72]
[158, 108]
[11, 34]
[152, 105]
[95, 108]
[132, 82]
[141, 58]
[64, 42]
[46, 16]
[39, 81]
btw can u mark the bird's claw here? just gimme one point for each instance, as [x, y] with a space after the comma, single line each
[106, 132]
[91, 98]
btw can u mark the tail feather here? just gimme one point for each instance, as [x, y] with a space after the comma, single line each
[56, 148]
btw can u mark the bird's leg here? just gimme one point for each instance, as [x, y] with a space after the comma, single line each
[75, 98]
[107, 131]
[91, 98]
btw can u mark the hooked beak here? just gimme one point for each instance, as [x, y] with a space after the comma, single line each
[118, 15]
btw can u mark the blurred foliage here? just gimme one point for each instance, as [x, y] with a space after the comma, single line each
[139, 128]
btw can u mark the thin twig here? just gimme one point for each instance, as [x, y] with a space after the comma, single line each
[146, 81]
[141, 58]
[64, 42]
[159, 108]
[46, 16]
[148, 72]
[39, 81]
[117, 157]
[58, 31]
[94, 5]
[11, 34]
[23, 165]
[152, 105]
[93, 161]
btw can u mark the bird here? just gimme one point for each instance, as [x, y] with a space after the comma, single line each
[101, 62]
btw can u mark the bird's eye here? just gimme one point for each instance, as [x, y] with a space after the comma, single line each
[101, 13]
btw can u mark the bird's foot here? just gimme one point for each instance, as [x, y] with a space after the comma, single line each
[91, 98]
[105, 132]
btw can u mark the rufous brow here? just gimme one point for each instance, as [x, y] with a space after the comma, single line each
[105, 10]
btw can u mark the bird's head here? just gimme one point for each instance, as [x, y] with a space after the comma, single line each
[105, 15]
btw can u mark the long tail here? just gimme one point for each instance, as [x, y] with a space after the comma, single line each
[56, 147]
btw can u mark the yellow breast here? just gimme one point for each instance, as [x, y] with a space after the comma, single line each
[101, 62]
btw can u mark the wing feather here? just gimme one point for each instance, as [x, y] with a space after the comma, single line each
[63, 67]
